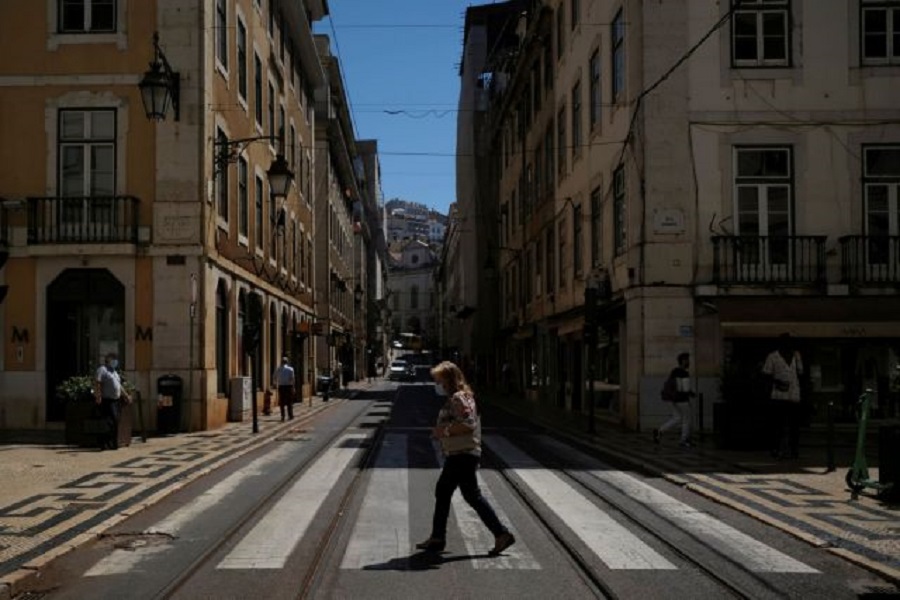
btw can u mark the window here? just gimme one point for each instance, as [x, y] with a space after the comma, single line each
[272, 18]
[763, 202]
[414, 297]
[243, 199]
[538, 183]
[271, 113]
[280, 131]
[258, 221]
[574, 9]
[594, 68]
[561, 242]
[560, 32]
[222, 33]
[596, 227]
[760, 33]
[550, 244]
[257, 89]
[577, 242]
[242, 59]
[87, 16]
[87, 152]
[617, 35]
[548, 67]
[282, 37]
[881, 182]
[561, 143]
[536, 92]
[621, 231]
[576, 120]
[880, 36]
[548, 158]
[292, 148]
[222, 179]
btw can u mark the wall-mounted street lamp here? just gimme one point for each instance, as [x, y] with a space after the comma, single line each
[160, 86]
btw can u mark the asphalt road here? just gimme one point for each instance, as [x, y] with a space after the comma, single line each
[334, 509]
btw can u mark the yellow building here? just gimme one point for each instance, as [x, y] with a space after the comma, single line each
[149, 238]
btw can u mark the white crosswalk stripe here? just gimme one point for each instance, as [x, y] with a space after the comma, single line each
[614, 544]
[743, 549]
[381, 531]
[273, 539]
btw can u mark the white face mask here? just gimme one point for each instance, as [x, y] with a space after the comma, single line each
[114, 364]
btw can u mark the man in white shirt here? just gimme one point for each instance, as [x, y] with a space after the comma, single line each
[283, 379]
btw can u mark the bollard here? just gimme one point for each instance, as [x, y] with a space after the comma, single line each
[829, 437]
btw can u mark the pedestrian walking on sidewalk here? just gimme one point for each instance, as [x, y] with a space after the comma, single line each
[678, 392]
[458, 429]
[108, 392]
[784, 366]
[283, 379]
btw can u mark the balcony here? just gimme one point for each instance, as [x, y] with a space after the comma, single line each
[870, 259]
[83, 220]
[765, 260]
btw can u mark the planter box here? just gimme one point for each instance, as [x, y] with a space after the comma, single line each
[83, 425]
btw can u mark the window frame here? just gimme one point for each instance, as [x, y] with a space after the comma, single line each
[620, 193]
[760, 8]
[243, 200]
[88, 12]
[221, 16]
[594, 90]
[892, 51]
[617, 57]
[242, 57]
[577, 133]
[596, 226]
[222, 188]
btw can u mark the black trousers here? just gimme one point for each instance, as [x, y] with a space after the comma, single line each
[459, 471]
[286, 400]
[109, 410]
[786, 436]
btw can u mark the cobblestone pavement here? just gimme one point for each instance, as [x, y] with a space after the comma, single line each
[801, 496]
[56, 497]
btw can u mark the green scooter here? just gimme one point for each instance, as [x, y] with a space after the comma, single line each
[858, 476]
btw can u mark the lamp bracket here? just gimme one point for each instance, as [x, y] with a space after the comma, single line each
[227, 151]
[160, 60]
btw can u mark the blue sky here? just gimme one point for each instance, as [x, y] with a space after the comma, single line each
[403, 55]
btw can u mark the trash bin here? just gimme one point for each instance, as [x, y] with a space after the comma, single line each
[324, 384]
[168, 403]
[889, 458]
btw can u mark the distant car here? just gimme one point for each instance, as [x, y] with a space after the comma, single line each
[399, 370]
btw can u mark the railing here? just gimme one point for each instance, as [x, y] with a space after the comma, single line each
[83, 220]
[761, 260]
[870, 259]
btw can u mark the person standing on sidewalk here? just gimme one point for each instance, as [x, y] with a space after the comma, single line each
[459, 430]
[108, 390]
[283, 379]
[677, 390]
[784, 367]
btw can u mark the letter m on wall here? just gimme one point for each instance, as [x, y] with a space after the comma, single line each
[19, 337]
[141, 334]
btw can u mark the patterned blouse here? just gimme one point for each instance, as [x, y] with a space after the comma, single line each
[461, 408]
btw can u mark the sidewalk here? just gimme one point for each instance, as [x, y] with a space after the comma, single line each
[798, 496]
[53, 498]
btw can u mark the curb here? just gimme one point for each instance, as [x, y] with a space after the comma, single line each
[29, 574]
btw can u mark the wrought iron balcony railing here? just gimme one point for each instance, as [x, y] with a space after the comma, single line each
[870, 259]
[764, 260]
[83, 220]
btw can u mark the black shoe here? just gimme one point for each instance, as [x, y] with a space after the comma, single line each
[432, 545]
[502, 542]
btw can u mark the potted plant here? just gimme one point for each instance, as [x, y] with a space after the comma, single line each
[83, 419]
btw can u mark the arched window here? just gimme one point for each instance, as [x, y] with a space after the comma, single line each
[273, 341]
[222, 337]
[241, 318]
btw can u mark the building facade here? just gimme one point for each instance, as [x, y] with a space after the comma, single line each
[160, 241]
[719, 173]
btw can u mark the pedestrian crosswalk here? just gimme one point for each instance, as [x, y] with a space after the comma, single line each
[381, 530]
